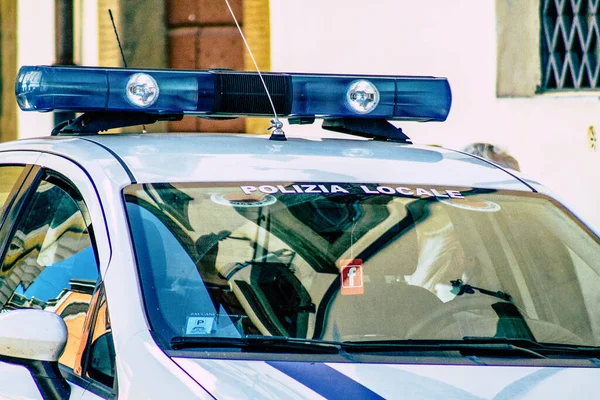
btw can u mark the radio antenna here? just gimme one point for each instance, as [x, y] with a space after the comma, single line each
[276, 124]
[112, 20]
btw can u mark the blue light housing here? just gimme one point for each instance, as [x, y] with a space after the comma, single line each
[214, 93]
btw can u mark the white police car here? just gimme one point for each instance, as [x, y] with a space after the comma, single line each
[190, 266]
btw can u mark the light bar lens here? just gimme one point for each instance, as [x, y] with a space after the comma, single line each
[362, 96]
[229, 93]
[142, 90]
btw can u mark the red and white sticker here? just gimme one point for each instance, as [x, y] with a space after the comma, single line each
[351, 275]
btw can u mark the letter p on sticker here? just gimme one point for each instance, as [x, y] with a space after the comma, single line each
[351, 276]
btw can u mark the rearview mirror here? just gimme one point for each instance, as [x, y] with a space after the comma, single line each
[35, 339]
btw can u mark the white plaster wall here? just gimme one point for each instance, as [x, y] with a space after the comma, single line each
[456, 39]
[36, 47]
[86, 28]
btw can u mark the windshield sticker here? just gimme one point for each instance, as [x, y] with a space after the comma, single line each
[199, 325]
[347, 188]
[351, 276]
[474, 205]
[239, 201]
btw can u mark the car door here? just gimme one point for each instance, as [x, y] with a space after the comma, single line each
[50, 244]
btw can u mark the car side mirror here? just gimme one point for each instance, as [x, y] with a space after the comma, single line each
[35, 339]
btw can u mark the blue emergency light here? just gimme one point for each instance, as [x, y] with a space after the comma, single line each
[225, 93]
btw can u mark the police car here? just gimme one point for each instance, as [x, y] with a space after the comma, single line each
[193, 266]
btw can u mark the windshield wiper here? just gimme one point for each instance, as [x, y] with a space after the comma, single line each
[479, 347]
[470, 346]
[258, 343]
[298, 345]
[547, 349]
[468, 289]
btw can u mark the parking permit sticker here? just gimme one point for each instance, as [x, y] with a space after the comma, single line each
[199, 325]
[351, 276]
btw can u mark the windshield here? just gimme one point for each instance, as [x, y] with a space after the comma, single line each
[363, 263]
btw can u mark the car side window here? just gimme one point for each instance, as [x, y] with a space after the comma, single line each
[49, 262]
[100, 364]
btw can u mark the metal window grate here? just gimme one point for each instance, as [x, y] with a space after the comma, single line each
[570, 44]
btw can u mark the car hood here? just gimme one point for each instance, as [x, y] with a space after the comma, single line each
[313, 380]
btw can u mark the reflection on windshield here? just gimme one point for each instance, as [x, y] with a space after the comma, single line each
[346, 262]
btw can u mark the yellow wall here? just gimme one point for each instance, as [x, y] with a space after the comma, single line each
[108, 49]
[257, 29]
[8, 60]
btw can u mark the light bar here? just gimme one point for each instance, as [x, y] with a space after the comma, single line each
[230, 93]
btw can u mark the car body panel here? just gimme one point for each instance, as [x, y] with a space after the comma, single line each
[225, 158]
[145, 371]
[21, 157]
[16, 384]
[228, 158]
[259, 379]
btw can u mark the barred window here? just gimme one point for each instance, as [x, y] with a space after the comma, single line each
[569, 45]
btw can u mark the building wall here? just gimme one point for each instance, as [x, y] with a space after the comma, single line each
[548, 134]
[202, 35]
[36, 47]
[8, 67]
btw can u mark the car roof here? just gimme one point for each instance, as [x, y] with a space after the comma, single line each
[253, 158]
